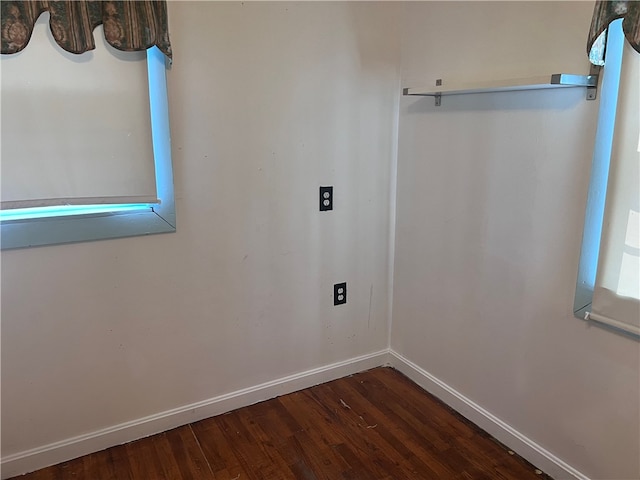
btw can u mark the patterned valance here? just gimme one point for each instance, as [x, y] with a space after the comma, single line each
[128, 25]
[606, 12]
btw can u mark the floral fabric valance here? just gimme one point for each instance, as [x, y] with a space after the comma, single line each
[606, 12]
[128, 25]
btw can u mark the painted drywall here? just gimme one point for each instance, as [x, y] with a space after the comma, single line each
[490, 202]
[267, 101]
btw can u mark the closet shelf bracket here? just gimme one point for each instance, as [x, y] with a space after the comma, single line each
[555, 80]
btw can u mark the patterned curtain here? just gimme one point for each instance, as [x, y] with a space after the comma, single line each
[606, 12]
[128, 25]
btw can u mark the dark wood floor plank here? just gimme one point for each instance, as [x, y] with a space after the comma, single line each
[476, 445]
[278, 429]
[318, 438]
[373, 435]
[274, 465]
[401, 401]
[316, 461]
[183, 447]
[439, 436]
[142, 459]
[273, 416]
[172, 455]
[217, 450]
[389, 437]
[375, 425]
[420, 438]
[107, 464]
[426, 409]
[118, 458]
[248, 448]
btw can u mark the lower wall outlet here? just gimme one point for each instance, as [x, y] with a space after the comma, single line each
[340, 293]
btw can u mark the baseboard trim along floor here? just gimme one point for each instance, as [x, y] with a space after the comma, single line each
[54, 453]
[516, 441]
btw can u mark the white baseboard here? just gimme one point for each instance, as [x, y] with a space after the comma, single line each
[54, 453]
[519, 443]
[34, 459]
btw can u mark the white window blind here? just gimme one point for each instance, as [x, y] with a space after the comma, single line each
[616, 296]
[75, 128]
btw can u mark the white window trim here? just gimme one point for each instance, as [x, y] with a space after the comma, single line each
[148, 219]
[594, 216]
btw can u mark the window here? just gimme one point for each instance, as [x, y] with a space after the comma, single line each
[608, 289]
[110, 216]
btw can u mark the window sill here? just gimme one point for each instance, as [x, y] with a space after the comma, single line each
[82, 228]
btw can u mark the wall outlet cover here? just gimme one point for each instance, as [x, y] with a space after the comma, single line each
[326, 198]
[340, 293]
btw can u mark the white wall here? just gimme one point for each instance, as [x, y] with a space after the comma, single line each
[267, 101]
[491, 195]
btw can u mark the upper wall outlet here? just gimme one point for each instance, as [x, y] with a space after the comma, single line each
[326, 198]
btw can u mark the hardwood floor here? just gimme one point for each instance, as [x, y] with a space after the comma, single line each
[372, 425]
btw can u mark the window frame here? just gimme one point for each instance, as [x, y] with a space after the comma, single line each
[597, 193]
[148, 219]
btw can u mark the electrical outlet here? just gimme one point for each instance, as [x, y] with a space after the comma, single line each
[326, 198]
[340, 293]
